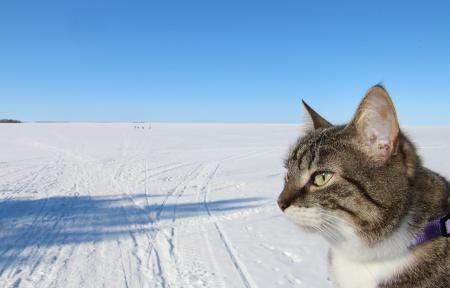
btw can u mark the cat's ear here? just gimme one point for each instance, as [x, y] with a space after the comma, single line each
[376, 124]
[313, 119]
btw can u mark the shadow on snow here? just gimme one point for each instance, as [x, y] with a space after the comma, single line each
[28, 223]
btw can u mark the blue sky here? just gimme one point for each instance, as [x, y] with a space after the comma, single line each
[221, 61]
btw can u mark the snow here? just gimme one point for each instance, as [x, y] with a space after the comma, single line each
[177, 205]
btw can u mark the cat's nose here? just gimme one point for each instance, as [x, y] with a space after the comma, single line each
[283, 203]
[287, 196]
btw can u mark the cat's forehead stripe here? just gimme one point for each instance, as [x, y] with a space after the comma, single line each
[313, 146]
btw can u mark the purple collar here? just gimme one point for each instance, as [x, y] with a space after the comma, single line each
[434, 228]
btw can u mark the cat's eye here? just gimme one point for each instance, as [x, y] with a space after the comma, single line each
[322, 178]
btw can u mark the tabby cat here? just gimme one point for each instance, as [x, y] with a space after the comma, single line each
[362, 186]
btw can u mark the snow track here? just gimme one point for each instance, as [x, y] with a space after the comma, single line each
[106, 205]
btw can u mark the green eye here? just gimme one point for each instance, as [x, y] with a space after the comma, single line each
[322, 178]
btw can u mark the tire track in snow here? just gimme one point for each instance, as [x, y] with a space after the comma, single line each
[166, 241]
[154, 232]
[192, 258]
[190, 242]
[171, 238]
[246, 279]
[193, 266]
[153, 258]
[240, 268]
[162, 170]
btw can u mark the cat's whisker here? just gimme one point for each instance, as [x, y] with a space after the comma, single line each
[330, 227]
[340, 220]
[326, 233]
[330, 232]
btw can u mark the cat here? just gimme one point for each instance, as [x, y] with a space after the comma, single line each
[362, 187]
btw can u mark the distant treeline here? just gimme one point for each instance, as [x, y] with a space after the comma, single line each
[9, 121]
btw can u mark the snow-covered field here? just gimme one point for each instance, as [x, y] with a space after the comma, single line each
[177, 205]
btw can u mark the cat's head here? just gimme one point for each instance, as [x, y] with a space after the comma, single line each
[350, 182]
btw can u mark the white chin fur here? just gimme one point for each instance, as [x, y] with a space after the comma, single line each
[343, 237]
